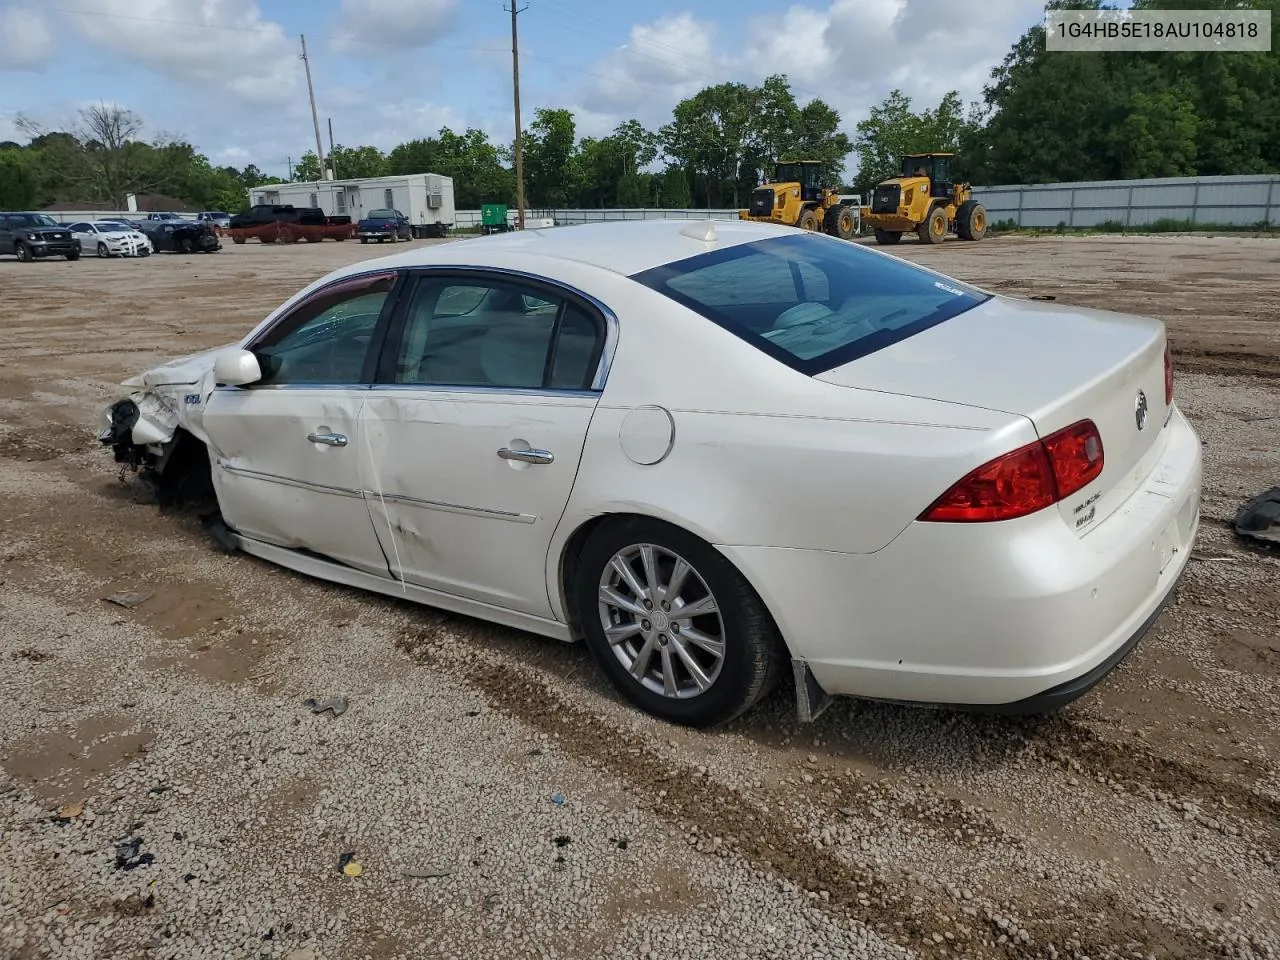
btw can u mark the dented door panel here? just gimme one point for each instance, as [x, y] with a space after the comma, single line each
[453, 512]
[286, 469]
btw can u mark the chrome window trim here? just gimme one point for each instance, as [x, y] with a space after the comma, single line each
[439, 388]
[611, 326]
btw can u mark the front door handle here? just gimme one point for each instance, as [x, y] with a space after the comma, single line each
[332, 439]
[526, 456]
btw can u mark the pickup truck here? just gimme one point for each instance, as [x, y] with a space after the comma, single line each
[265, 213]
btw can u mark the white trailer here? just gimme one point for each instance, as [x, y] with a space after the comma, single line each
[425, 198]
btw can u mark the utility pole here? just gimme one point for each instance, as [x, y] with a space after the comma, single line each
[315, 117]
[289, 161]
[335, 172]
[515, 87]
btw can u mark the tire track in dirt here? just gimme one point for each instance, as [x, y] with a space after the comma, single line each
[1073, 746]
[892, 904]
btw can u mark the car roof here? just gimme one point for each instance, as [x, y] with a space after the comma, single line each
[625, 247]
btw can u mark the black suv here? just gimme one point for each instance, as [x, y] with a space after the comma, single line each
[31, 235]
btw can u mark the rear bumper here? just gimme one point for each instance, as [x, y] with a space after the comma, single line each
[1021, 616]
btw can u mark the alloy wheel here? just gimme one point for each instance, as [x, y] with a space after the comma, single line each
[662, 621]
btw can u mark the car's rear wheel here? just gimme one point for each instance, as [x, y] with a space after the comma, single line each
[22, 252]
[679, 632]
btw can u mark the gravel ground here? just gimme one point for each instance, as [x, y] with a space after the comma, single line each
[165, 792]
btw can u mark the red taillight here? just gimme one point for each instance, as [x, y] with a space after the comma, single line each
[1024, 481]
[1168, 376]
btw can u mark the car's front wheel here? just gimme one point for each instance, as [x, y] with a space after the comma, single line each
[22, 252]
[676, 628]
[102, 250]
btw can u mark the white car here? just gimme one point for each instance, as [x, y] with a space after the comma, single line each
[109, 238]
[720, 452]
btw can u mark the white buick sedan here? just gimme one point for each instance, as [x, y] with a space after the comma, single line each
[718, 452]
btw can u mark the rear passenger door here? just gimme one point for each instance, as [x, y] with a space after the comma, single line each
[476, 424]
[6, 234]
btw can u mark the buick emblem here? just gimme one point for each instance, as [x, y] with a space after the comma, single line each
[1140, 410]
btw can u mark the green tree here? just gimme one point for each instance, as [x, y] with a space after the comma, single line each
[893, 130]
[710, 136]
[549, 159]
[19, 186]
[469, 158]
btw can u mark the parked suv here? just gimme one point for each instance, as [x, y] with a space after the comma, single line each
[32, 235]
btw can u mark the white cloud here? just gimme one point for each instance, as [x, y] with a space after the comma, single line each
[661, 63]
[403, 24]
[28, 40]
[223, 45]
[856, 51]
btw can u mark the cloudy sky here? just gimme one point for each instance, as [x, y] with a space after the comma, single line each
[226, 75]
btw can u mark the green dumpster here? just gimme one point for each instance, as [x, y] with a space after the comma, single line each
[493, 218]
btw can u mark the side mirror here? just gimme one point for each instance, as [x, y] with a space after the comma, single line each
[235, 367]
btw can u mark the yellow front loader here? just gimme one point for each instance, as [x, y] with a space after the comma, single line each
[926, 201]
[797, 197]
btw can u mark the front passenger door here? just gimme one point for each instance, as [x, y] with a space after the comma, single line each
[287, 449]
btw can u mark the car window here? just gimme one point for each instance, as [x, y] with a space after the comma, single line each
[811, 301]
[325, 339]
[80, 228]
[496, 333]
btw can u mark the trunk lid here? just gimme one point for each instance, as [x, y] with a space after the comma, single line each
[1054, 365]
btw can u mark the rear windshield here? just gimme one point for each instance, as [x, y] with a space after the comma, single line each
[811, 301]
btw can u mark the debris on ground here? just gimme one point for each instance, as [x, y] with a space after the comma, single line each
[128, 857]
[71, 810]
[425, 872]
[1259, 519]
[347, 865]
[338, 705]
[558, 799]
[128, 600]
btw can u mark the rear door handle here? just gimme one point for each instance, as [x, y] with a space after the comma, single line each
[526, 456]
[332, 439]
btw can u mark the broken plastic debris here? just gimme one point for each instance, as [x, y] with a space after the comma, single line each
[347, 865]
[127, 857]
[558, 799]
[1259, 519]
[128, 599]
[336, 704]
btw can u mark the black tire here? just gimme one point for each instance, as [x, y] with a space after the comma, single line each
[754, 654]
[840, 222]
[73, 255]
[934, 227]
[888, 237]
[186, 246]
[808, 219]
[971, 220]
[22, 252]
[239, 240]
[102, 249]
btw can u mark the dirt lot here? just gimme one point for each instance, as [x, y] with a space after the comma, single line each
[164, 792]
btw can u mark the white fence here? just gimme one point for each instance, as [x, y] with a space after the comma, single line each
[1243, 201]
[564, 218]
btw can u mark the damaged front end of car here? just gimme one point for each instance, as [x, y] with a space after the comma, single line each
[155, 431]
